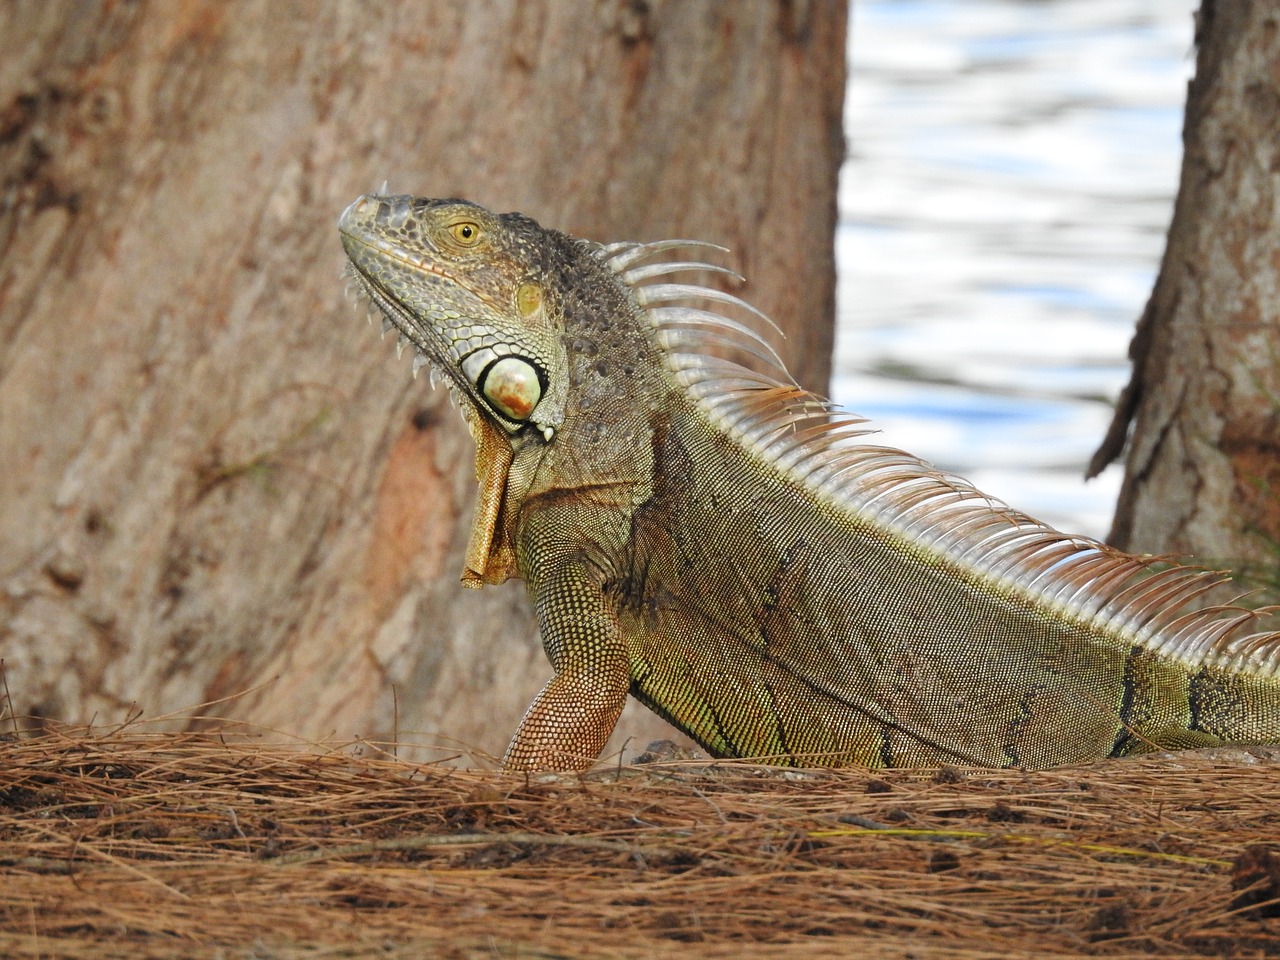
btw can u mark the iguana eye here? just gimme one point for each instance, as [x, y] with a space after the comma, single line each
[465, 232]
[513, 386]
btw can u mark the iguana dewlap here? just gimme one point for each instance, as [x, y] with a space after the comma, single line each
[731, 550]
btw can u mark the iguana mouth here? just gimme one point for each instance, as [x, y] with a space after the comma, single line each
[426, 353]
[429, 276]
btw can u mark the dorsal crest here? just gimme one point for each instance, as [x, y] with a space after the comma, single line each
[825, 450]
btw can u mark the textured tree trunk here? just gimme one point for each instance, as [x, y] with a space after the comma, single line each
[217, 485]
[1203, 469]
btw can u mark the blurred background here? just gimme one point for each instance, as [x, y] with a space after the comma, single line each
[1006, 198]
[223, 499]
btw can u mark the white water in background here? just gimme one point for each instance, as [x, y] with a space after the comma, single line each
[1011, 173]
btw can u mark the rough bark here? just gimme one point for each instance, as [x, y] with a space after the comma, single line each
[1203, 470]
[219, 484]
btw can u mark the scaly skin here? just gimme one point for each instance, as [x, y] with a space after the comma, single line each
[709, 541]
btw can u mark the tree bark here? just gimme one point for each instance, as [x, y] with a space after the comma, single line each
[218, 486]
[1203, 470]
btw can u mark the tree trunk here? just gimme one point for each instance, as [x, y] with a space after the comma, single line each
[220, 487]
[1203, 469]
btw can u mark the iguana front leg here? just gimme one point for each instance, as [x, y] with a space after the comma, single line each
[569, 722]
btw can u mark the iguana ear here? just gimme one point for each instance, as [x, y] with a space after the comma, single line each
[490, 556]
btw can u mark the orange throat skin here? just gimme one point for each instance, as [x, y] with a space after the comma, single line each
[491, 559]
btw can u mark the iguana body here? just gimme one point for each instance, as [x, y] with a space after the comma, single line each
[721, 544]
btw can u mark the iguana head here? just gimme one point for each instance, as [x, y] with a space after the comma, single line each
[466, 288]
[544, 338]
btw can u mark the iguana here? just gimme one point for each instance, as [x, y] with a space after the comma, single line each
[728, 548]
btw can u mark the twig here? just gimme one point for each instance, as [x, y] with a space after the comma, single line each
[920, 833]
[464, 839]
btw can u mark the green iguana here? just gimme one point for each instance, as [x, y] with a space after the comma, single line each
[722, 545]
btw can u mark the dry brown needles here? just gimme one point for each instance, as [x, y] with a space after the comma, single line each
[220, 845]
